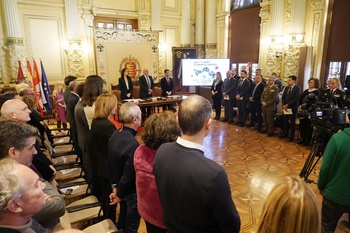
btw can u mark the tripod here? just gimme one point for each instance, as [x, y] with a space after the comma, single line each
[318, 146]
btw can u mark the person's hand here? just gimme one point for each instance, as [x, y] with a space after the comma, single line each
[263, 104]
[128, 95]
[224, 94]
[285, 107]
[251, 99]
[113, 198]
[54, 171]
[238, 97]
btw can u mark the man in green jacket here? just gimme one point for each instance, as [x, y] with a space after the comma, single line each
[334, 180]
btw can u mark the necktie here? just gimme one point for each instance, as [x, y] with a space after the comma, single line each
[256, 85]
[168, 79]
[290, 89]
[148, 82]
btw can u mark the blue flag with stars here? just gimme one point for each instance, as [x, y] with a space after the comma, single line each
[46, 88]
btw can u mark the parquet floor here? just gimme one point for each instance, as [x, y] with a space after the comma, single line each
[253, 163]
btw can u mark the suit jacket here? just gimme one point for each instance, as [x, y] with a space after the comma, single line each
[336, 97]
[269, 96]
[218, 89]
[124, 90]
[243, 89]
[229, 87]
[291, 98]
[166, 87]
[72, 100]
[101, 131]
[144, 86]
[257, 93]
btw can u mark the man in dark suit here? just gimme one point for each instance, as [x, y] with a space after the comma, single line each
[236, 78]
[167, 86]
[146, 89]
[228, 92]
[72, 100]
[242, 97]
[290, 100]
[255, 103]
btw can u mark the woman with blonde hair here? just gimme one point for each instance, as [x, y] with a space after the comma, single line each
[291, 207]
[101, 130]
[158, 129]
[57, 94]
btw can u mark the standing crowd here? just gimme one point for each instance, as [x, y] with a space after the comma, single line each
[167, 181]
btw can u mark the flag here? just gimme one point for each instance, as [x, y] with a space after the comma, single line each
[29, 71]
[37, 89]
[45, 88]
[20, 71]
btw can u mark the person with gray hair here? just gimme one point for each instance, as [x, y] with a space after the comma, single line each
[194, 191]
[17, 142]
[122, 176]
[21, 196]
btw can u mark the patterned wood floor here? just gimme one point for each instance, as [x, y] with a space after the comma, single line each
[253, 163]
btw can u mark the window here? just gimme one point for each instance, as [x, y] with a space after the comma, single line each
[236, 4]
[116, 24]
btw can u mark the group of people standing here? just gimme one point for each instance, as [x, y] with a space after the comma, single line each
[260, 99]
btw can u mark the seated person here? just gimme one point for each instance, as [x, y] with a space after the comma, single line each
[21, 192]
[291, 206]
[17, 142]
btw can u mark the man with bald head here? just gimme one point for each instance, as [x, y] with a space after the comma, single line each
[22, 195]
[193, 190]
[15, 109]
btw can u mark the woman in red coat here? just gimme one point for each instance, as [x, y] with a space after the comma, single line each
[158, 129]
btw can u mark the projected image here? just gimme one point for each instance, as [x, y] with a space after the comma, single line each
[201, 72]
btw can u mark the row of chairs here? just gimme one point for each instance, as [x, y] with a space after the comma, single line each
[82, 208]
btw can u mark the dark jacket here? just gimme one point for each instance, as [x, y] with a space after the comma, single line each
[291, 98]
[167, 87]
[123, 88]
[144, 86]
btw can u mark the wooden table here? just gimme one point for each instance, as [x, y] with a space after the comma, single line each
[155, 102]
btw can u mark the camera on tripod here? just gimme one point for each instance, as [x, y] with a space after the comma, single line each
[326, 119]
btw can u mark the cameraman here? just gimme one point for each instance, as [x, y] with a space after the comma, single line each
[305, 128]
[333, 180]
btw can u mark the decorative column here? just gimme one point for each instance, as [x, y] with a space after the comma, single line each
[199, 35]
[277, 16]
[298, 17]
[72, 20]
[89, 23]
[210, 29]
[14, 41]
[185, 24]
[73, 50]
[222, 25]
[266, 62]
[318, 35]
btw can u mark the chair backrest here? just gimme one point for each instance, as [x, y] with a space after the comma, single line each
[104, 226]
[136, 92]
[115, 87]
[157, 91]
[64, 221]
[117, 94]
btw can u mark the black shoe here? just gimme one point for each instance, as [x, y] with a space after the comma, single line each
[237, 123]
[291, 139]
[224, 119]
[230, 122]
[241, 125]
[216, 118]
[283, 136]
[270, 134]
[249, 126]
